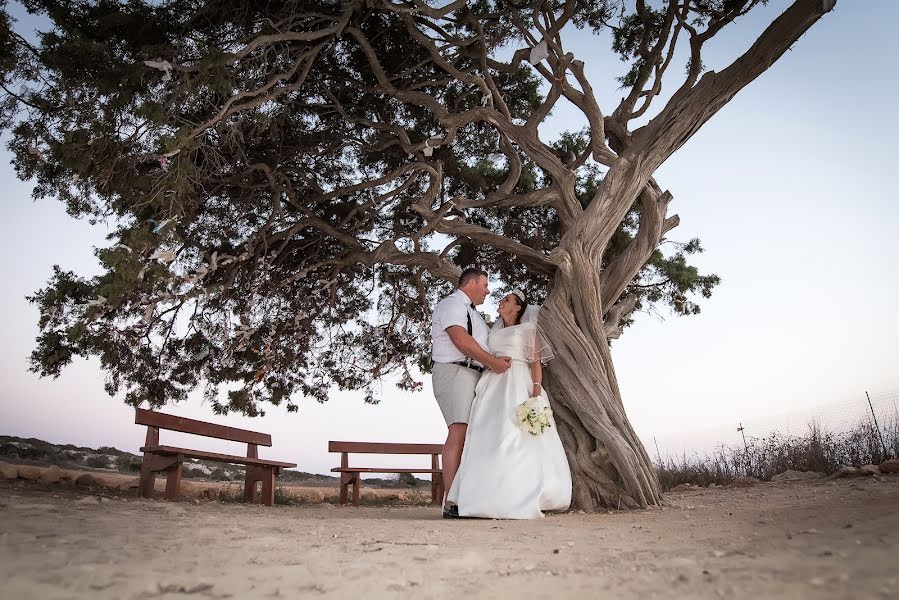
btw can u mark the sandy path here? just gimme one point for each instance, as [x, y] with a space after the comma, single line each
[801, 540]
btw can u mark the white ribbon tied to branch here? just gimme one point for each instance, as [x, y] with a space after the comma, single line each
[539, 52]
[163, 256]
[162, 65]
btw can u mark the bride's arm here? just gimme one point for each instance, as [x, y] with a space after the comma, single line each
[537, 373]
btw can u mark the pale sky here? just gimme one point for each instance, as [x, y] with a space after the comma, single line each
[789, 187]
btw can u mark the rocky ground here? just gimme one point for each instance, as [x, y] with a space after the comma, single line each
[790, 539]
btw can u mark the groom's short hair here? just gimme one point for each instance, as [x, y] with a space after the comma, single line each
[469, 274]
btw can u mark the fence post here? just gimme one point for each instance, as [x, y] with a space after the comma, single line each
[746, 446]
[877, 426]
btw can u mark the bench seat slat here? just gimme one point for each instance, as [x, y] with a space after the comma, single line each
[384, 448]
[384, 470]
[215, 456]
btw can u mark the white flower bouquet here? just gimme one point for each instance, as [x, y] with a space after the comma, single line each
[533, 415]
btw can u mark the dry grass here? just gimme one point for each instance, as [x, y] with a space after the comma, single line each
[762, 458]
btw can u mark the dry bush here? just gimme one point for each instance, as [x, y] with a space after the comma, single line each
[762, 458]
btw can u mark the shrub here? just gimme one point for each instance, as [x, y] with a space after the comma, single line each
[127, 463]
[192, 472]
[762, 458]
[282, 498]
[406, 480]
[98, 461]
[219, 474]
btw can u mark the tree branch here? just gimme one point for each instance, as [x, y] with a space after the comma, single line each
[617, 314]
[621, 271]
[688, 110]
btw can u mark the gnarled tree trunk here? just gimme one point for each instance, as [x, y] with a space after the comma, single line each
[609, 466]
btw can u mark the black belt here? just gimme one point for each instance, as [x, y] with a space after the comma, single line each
[468, 365]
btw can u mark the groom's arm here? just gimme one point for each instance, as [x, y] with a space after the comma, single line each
[468, 346]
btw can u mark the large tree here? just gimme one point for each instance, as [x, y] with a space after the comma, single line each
[293, 184]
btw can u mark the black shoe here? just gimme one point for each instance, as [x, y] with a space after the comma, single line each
[451, 513]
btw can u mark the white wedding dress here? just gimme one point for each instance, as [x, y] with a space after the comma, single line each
[506, 472]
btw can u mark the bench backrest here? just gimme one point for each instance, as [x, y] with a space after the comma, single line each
[385, 448]
[171, 422]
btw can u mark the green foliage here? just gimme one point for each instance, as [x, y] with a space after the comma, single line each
[282, 498]
[244, 261]
[98, 462]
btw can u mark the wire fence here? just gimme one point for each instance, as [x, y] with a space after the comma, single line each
[861, 431]
[878, 410]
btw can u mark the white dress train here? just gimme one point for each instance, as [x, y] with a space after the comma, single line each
[506, 472]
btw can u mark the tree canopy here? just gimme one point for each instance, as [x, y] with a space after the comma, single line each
[293, 184]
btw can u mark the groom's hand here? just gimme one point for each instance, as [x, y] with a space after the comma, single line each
[500, 364]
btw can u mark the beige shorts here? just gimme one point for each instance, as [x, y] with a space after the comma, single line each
[454, 390]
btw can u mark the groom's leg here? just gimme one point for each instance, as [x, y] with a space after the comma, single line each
[452, 453]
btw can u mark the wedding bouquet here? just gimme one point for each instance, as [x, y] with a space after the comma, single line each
[533, 415]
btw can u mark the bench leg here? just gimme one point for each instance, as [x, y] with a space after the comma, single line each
[356, 489]
[249, 485]
[345, 480]
[147, 478]
[152, 464]
[437, 488]
[268, 486]
[173, 482]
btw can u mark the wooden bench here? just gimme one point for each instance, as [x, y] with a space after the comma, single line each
[350, 475]
[169, 458]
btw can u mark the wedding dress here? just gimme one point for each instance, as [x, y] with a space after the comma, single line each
[506, 472]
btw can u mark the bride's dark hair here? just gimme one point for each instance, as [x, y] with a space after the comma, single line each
[522, 305]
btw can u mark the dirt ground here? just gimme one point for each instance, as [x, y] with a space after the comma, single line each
[794, 540]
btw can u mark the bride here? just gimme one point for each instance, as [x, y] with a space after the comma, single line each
[506, 471]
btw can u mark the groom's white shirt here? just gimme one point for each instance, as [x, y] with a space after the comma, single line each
[454, 310]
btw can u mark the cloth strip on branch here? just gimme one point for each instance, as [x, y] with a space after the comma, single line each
[539, 52]
[162, 65]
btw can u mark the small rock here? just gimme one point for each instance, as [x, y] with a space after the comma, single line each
[555, 551]
[889, 466]
[844, 471]
[791, 475]
[51, 474]
[125, 486]
[718, 553]
[870, 470]
[684, 487]
[743, 481]
[8, 471]
[569, 544]
[86, 480]
[327, 505]
[29, 472]
[195, 501]
[87, 501]
[104, 500]
[816, 581]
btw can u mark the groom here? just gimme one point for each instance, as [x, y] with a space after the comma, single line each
[459, 342]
